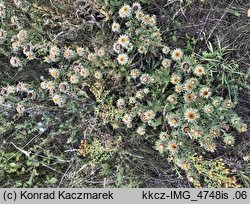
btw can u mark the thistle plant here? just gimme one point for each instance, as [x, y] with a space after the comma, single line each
[137, 84]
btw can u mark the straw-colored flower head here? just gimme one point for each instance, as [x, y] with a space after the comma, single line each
[144, 78]
[63, 87]
[205, 92]
[127, 119]
[80, 51]
[91, 57]
[184, 165]
[210, 147]
[173, 146]
[165, 50]
[208, 109]
[193, 81]
[186, 129]
[146, 19]
[11, 89]
[31, 94]
[68, 53]
[57, 99]
[2, 35]
[172, 99]
[43, 85]
[173, 120]
[149, 115]
[30, 55]
[243, 128]
[115, 27]
[14, 21]
[215, 132]
[235, 120]
[229, 140]
[142, 50]
[15, 62]
[132, 100]
[123, 40]
[189, 97]
[177, 54]
[125, 11]
[141, 130]
[139, 15]
[22, 35]
[190, 178]
[100, 52]
[4, 91]
[175, 79]
[54, 51]
[120, 103]
[191, 115]
[117, 47]
[54, 72]
[164, 135]
[16, 45]
[178, 88]
[228, 103]
[98, 75]
[134, 73]
[77, 68]
[166, 63]
[146, 91]
[175, 134]
[186, 66]
[188, 86]
[136, 7]
[28, 48]
[160, 146]
[199, 70]
[122, 59]
[196, 133]
[217, 101]
[22, 87]
[139, 94]
[208, 138]
[74, 79]
[84, 72]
